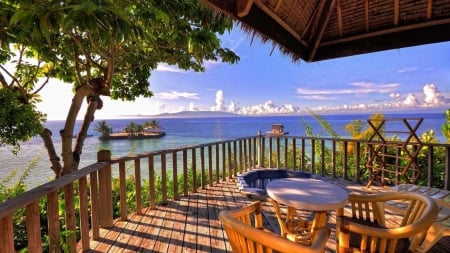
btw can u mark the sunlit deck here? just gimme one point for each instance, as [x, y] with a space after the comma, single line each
[191, 224]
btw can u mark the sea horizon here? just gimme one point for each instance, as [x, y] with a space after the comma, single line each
[187, 131]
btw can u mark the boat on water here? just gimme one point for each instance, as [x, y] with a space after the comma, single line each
[277, 130]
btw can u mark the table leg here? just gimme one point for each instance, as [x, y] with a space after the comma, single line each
[320, 221]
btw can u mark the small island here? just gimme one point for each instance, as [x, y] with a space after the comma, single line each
[132, 131]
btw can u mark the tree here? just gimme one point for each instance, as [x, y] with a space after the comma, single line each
[103, 128]
[104, 48]
[446, 125]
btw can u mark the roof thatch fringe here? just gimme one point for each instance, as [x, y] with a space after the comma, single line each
[266, 39]
[253, 32]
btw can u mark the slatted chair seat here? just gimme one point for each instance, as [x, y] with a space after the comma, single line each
[367, 229]
[244, 228]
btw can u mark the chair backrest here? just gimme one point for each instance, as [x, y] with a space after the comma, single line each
[368, 221]
[244, 228]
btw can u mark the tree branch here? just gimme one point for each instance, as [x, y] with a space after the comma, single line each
[46, 136]
[94, 103]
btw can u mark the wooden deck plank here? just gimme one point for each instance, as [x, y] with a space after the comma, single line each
[190, 240]
[179, 226]
[191, 224]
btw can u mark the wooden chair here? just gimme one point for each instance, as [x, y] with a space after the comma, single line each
[368, 228]
[245, 232]
[292, 226]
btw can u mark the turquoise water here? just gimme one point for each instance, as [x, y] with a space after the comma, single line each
[182, 132]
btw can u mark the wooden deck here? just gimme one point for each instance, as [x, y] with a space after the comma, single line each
[191, 224]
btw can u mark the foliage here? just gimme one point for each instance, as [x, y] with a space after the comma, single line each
[446, 125]
[103, 48]
[103, 128]
[19, 118]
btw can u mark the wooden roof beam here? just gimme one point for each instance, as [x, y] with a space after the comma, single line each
[366, 15]
[339, 17]
[322, 22]
[277, 6]
[280, 21]
[394, 38]
[243, 7]
[396, 12]
[429, 9]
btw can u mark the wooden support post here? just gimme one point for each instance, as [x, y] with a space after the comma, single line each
[105, 190]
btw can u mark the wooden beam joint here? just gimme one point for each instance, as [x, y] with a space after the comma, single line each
[243, 7]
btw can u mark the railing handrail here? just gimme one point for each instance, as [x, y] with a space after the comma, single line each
[214, 161]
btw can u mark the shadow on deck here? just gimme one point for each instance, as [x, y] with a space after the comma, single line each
[191, 224]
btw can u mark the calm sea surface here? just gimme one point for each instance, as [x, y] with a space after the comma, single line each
[182, 132]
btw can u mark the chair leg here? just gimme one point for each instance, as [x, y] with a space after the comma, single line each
[434, 234]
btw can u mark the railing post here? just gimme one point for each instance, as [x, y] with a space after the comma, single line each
[105, 190]
[7, 241]
[260, 150]
[33, 227]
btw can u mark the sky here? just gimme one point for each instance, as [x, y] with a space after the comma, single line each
[265, 82]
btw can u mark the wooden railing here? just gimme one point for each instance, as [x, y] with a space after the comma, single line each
[187, 168]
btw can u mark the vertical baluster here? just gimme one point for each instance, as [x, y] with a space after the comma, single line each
[123, 191]
[217, 156]
[294, 153]
[303, 155]
[345, 160]
[447, 168]
[333, 159]
[230, 162]
[358, 162]
[151, 180]
[210, 169]
[137, 182]
[322, 158]
[246, 163]
[224, 159]
[241, 158]
[194, 170]
[95, 223]
[84, 214]
[69, 202]
[34, 228]
[202, 167]
[185, 173]
[164, 177]
[235, 162]
[263, 151]
[278, 152]
[54, 229]
[175, 174]
[313, 156]
[430, 166]
[286, 153]
[7, 242]
[270, 152]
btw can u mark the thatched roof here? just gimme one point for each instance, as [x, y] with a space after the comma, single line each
[314, 30]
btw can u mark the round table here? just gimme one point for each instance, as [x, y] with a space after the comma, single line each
[308, 194]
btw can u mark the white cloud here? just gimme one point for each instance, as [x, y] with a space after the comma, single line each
[193, 107]
[395, 95]
[171, 95]
[432, 95]
[411, 101]
[233, 107]
[219, 106]
[164, 67]
[407, 69]
[361, 88]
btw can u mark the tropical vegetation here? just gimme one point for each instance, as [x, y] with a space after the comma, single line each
[101, 48]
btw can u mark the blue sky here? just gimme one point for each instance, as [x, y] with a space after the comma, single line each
[267, 82]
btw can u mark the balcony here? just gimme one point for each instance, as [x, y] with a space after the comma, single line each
[157, 215]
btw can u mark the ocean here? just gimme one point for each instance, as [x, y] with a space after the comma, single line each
[182, 132]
